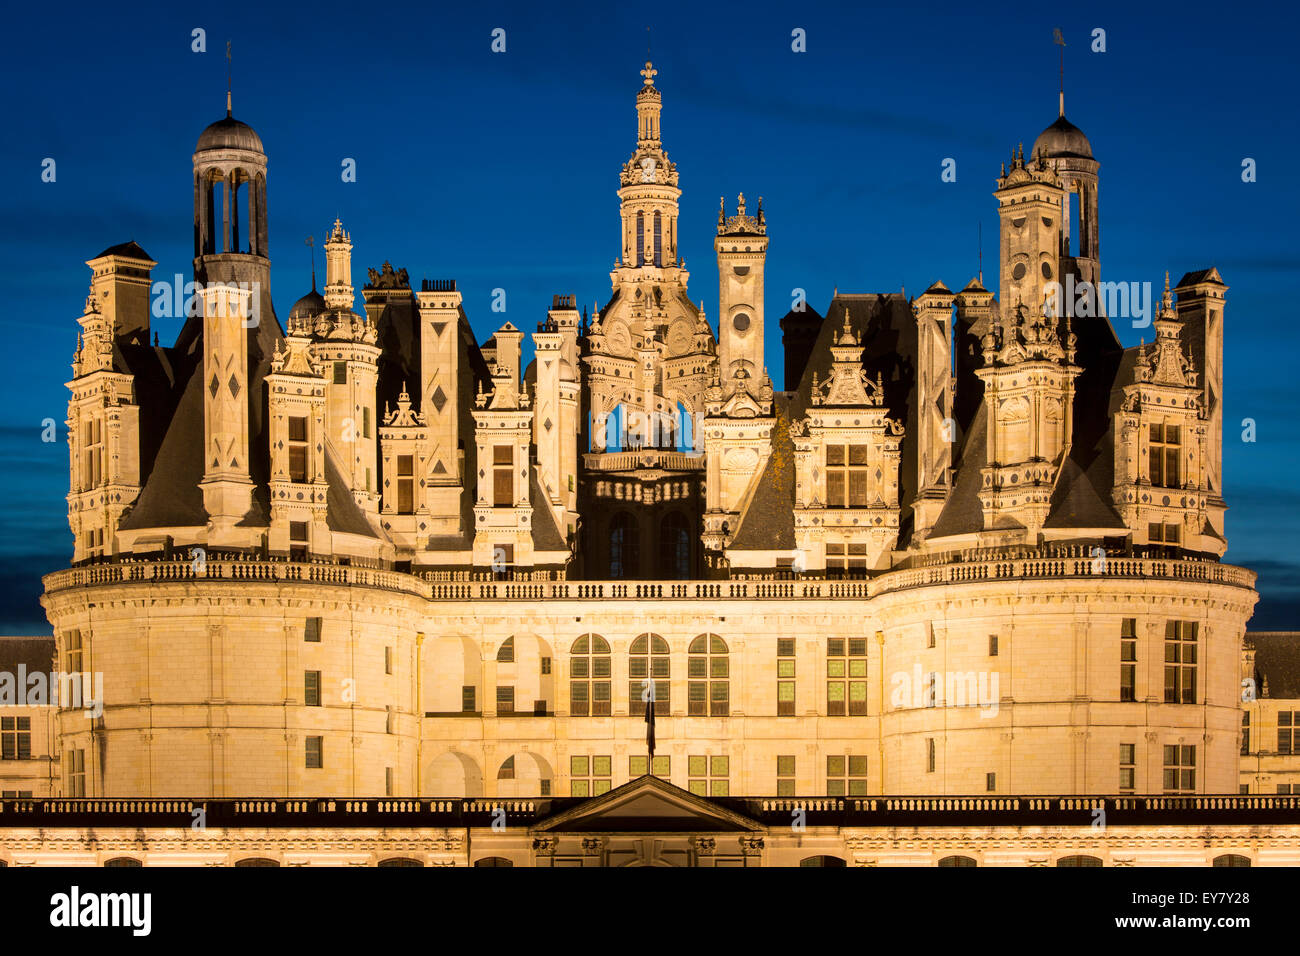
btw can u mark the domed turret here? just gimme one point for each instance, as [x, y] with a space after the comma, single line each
[1061, 139]
[229, 133]
[308, 307]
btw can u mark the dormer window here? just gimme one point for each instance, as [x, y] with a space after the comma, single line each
[846, 476]
[1165, 446]
[297, 448]
[503, 474]
[92, 454]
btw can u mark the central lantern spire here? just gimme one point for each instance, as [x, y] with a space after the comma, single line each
[648, 188]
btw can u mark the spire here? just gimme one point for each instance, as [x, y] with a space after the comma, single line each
[228, 114]
[1059, 40]
[312, 247]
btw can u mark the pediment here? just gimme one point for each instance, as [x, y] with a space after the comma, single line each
[648, 804]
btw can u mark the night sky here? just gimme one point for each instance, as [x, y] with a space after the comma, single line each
[500, 170]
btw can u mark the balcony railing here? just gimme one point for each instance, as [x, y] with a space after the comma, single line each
[484, 586]
[662, 459]
[878, 811]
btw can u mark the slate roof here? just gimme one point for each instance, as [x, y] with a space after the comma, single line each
[768, 522]
[1277, 660]
[33, 653]
[128, 250]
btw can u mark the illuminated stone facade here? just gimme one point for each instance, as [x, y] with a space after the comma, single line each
[973, 548]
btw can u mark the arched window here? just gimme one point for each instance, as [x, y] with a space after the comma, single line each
[399, 861]
[624, 547]
[957, 861]
[648, 660]
[589, 670]
[822, 861]
[1232, 859]
[493, 861]
[507, 771]
[640, 238]
[674, 547]
[506, 655]
[659, 241]
[1078, 861]
[708, 688]
[256, 861]
[123, 861]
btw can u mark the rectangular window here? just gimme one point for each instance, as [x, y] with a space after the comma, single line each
[846, 776]
[468, 700]
[297, 448]
[990, 782]
[590, 776]
[1163, 455]
[993, 645]
[785, 778]
[340, 373]
[1288, 732]
[15, 738]
[505, 700]
[1180, 662]
[929, 755]
[74, 763]
[1128, 656]
[503, 476]
[365, 422]
[72, 663]
[1284, 788]
[311, 688]
[708, 776]
[405, 484]
[388, 660]
[1127, 768]
[1160, 533]
[846, 476]
[1245, 733]
[315, 753]
[1180, 768]
[845, 558]
[92, 453]
[299, 544]
[846, 676]
[311, 630]
[546, 665]
[785, 677]
[660, 767]
[388, 781]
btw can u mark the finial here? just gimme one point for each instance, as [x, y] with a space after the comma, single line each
[740, 202]
[722, 210]
[312, 247]
[228, 79]
[649, 73]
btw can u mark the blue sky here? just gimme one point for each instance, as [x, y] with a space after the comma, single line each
[500, 169]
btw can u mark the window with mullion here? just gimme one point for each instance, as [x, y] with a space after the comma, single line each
[1288, 732]
[648, 660]
[1180, 662]
[1179, 768]
[1163, 455]
[1128, 660]
[785, 677]
[590, 776]
[846, 476]
[708, 677]
[589, 677]
[15, 738]
[846, 776]
[846, 677]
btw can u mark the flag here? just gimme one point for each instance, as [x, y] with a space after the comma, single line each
[650, 730]
[1056, 36]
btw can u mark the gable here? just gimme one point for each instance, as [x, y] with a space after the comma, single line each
[648, 804]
